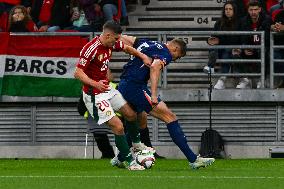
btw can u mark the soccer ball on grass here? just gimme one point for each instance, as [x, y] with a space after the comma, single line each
[145, 158]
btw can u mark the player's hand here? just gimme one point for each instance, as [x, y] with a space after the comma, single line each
[43, 28]
[102, 85]
[278, 26]
[154, 100]
[147, 61]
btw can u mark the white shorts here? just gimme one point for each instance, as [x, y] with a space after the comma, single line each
[102, 106]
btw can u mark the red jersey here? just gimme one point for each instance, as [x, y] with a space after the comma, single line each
[94, 59]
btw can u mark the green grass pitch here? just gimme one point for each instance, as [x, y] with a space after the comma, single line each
[98, 174]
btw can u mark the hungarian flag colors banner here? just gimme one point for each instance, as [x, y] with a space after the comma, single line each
[3, 52]
[40, 66]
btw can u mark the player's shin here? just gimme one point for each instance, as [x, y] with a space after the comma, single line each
[121, 144]
[134, 134]
[179, 139]
[144, 136]
[132, 128]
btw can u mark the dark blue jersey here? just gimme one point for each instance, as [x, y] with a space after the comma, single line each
[135, 70]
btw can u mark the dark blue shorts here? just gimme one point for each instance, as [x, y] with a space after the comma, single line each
[137, 95]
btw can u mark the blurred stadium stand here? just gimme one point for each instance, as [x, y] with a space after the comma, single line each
[176, 15]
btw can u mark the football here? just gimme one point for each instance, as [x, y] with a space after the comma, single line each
[145, 158]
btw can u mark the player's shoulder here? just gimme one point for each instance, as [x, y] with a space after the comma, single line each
[91, 47]
[96, 41]
[139, 41]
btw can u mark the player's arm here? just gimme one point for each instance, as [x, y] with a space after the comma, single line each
[128, 40]
[130, 50]
[155, 72]
[79, 74]
[109, 75]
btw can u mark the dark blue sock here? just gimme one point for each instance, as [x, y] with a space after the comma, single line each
[180, 140]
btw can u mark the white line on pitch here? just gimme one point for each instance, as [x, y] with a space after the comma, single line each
[139, 176]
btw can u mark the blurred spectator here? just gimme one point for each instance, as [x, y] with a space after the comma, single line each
[7, 5]
[111, 9]
[256, 20]
[124, 16]
[228, 22]
[242, 6]
[51, 15]
[87, 16]
[20, 20]
[278, 26]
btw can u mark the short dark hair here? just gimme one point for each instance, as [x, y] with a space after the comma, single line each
[253, 3]
[113, 26]
[181, 44]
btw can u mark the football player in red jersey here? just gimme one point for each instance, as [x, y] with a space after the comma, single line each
[99, 97]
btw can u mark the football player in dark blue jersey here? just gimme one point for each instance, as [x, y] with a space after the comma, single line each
[133, 87]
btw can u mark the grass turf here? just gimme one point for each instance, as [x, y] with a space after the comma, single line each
[98, 174]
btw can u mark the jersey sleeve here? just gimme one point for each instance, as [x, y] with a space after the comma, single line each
[165, 58]
[86, 55]
[118, 46]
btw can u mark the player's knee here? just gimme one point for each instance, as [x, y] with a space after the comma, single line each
[131, 116]
[170, 117]
[118, 130]
[142, 125]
